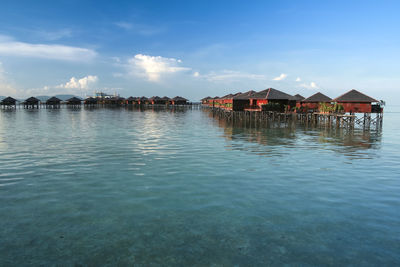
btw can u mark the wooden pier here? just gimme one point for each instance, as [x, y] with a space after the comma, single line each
[249, 118]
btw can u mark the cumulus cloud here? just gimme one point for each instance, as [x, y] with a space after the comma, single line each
[74, 86]
[84, 83]
[312, 85]
[230, 75]
[10, 47]
[298, 79]
[280, 77]
[153, 67]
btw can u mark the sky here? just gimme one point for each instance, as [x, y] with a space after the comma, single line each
[199, 48]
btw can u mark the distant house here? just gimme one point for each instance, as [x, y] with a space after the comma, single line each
[74, 101]
[143, 100]
[242, 101]
[9, 102]
[165, 100]
[156, 100]
[212, 101]
[271, 95]
[298, 97]
[131, 100]
[90, 101]
[205, 100]
[53, 102]
[178, 100]
[314, 101]
[356, 102]
[31, 102]
[115, 101]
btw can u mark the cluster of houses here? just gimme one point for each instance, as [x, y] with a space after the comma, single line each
[33, 102]
[272, 99]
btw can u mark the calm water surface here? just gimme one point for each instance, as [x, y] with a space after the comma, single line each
[123, 187]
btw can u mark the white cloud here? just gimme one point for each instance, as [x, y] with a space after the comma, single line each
[152, 68]
[312, 85]
[84, 83]
[280, 77]
[230, 75]
[78, 87]
[298, 79]
[196, 74]
[10, 47]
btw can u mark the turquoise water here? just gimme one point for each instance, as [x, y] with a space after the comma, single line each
[155, 188]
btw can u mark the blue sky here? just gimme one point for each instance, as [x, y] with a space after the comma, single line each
[199, 48]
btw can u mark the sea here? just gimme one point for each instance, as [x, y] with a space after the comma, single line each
[130, 187]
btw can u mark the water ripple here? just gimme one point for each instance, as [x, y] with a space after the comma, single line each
[125, 187]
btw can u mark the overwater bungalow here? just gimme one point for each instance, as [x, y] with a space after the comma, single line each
[9, 102]
[74, 102]
[271, 95]
[178, 100]
[166, 100]
[242, 101]
[131, 100]
[115, 101]
[299, 97]
[313, 102]
[211, 101]
[356, 102]
[31, 102]
[143, 100]
[226, 102]
[53, 102]
[90, 101]
[205, 100]
[156, 100]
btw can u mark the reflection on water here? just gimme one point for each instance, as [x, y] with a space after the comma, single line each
[179, 188]
[354, 143]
